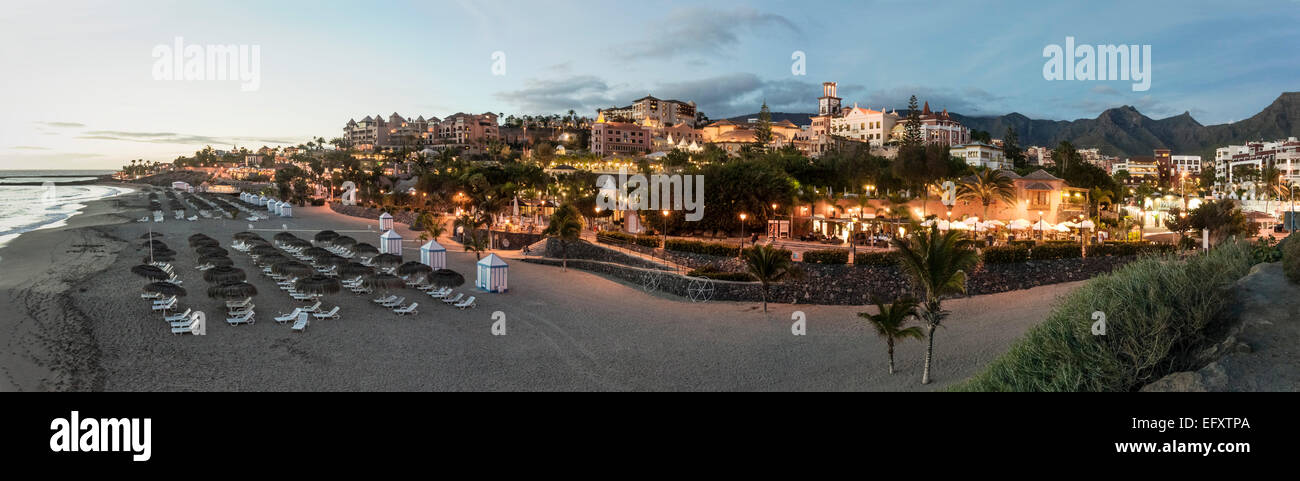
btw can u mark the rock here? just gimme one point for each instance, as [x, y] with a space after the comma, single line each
[1243, 348]
[1185, 381]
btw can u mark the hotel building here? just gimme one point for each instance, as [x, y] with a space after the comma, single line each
[652, 112]
[376, 133]
[979, 154]
[1282, 154]
[619, 138]
[864, 125]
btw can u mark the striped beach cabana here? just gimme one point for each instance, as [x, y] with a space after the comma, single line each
[286, 210]
[390, 243]
[493, 274]
[433, 255]
[385, 222]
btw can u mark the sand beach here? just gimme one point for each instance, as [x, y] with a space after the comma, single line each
[74, 321]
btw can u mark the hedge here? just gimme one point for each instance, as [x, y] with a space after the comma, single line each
[1006, 254]
[1055, 251]
[1129, 249]
[705, 248]
[827, 256]
[614, 237]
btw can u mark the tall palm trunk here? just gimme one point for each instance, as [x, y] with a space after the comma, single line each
[765, 297]
[890, 342]
[929, 354]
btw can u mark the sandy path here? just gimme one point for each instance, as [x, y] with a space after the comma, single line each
[566, 331]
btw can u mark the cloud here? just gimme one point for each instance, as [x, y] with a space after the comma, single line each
[702, 32]
[176, 138]
[64, 125]
[29, 147]
[583, 93]
[1104, 90]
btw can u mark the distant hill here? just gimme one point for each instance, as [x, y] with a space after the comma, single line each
[795, 118]
[1123, 131]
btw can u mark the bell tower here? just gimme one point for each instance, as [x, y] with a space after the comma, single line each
[828, 103]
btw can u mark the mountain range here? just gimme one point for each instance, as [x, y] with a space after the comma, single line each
[1124, 132]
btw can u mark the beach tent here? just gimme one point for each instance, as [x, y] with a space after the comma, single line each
[492, 274]
[434, 255]
[261, 200]
[390, 243]
[385, 222]
[271, 205]
[286, 210]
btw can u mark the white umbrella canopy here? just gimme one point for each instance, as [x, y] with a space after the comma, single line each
[1062, 228]
[1088, 224]
[996, 223]
[1043, 225]
[959, 225]
[944, 225]
[1069, 224]
[1019, 224]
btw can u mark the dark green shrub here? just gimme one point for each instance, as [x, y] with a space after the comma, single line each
[1055, 251]
[1291, 258]
[615, 237]
[1160, 313]
[1022, 243]
[827, 256]
[876, 259]
[705, 248]
[1006, 254]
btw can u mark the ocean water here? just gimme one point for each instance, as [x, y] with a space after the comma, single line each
[28, 208]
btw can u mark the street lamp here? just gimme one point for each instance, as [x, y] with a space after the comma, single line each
[1040, 225]
[742, 231]
[665, 229]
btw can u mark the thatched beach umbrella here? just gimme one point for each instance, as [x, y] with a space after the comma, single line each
[165, 288]
[292, 268]
[263, 251]
[155, 244]
[153, 273]
[151, 235]
[232, 291]
[197, 237]
[388, 260]
[365, 250]
[344, 242]
[208, 242]
[446, 278]
[318, 285]
[383, 281]
[316, 252]
[216, 261]
[211, 251]
[326, 236]
[246, 236]
[353, 269]
[223, 275]
[283, 236]
[413, 268]
[296, 243]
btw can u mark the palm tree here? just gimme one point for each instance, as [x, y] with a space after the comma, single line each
[937, 262]
[467, 223]
[988, 186]
[769, 265]
[889, 323]
[475, 243]
[433, 225]
[566, 226]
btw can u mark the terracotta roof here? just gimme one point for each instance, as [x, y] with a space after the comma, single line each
[1038, 186]
[1041, 174]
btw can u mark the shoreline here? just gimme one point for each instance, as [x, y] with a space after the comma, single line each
[49, 346]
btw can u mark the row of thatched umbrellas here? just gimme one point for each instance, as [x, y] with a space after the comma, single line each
[226, 282]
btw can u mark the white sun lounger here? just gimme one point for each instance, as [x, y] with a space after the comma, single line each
[382, 300]
[165, 307]
[289, 317]
[301, 324]
[312, 308]
[151, 295]
[406, 310]
[239, 311]
[178, 317]
[453, 300]
[246, 318]
[467, 303]
[332, 314]
[394, 302]
[182, 330]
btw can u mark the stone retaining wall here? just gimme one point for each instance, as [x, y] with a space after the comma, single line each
[403, 217]
[840, 284]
